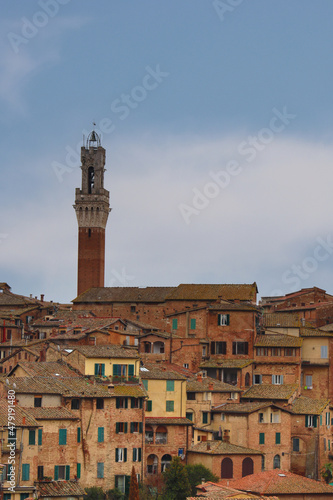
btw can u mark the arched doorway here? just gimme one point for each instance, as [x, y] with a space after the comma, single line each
[152, 463]
[165, 462]
[247, 466]
[227, 467]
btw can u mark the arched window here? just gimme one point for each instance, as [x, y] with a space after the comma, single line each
[158, 347]
[247, 466]
[91, 179]
[147, 347]
[149, 434]
[161, 436]
[247, 380]
[276, 462]
[165, 462]
[227, 468]
[152, 463]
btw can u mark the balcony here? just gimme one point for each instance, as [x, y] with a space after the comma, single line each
[118, 379]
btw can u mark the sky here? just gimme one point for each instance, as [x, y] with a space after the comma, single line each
[216, 117]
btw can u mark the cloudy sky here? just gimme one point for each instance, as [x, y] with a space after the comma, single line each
[216, 117]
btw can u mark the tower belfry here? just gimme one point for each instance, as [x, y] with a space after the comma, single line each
[92, 209]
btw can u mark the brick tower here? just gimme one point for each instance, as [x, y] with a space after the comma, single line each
[92, 210]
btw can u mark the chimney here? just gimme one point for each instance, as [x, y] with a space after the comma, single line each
[199, 377]
[23, 420]
[211, 386]
[208, 446]
[42, 297]
[226, 436]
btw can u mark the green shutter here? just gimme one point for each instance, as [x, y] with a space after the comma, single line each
[139, 454]
[127, 484]
[174, 323]
[126, 402]
[261, 438]
[149, 405]
[125, 427]
[117, 455]
[67, 472]
[205, 417]
[79, 434]
[25, 472]
[132, 427]
[193, 323]
[117, 427]
[56, 472]
[277, 438]
[115, 370]
[321, 420]
[314, 420]
[103, 369]
[131, 370]
[100, 434]
[145, 384]
[140, 402]
[100, 470]
[78, 471]
[170, 385]
[140, 427]
[96, 369]
[40, 437]
[32, 437]
[306, 421]
[132, 402]
[125, 454]
[228, 319]
[134, 458]
[62, 436]
[169, 406]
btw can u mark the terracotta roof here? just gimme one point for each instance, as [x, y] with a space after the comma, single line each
[209, 384]
[273, 340]
[316, 332]
[240, 407]
[23, 418]
[291, 320]
[60, 489]
[106, 351]
[131, 390]
[219, 491]
[226, 363]
[125, 294]
[243, 292]
[270, 391]
[327, 328]
[222, 448]
[279, 482]
[308, 406]
[160, 371]
[45, 369]
[168, 421]
[51, 413]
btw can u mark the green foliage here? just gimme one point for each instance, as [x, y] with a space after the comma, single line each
[327, 472]
[176, 483]
[94, 493]
[198, 472]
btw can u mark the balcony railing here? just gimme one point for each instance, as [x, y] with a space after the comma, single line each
[161, 440]
[118, 379]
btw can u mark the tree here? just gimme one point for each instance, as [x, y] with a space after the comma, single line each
[198, 472]
[134, 487]
[327, 472]
[176, 483]
[94, 493]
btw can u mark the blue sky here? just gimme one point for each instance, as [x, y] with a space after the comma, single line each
[216, 119]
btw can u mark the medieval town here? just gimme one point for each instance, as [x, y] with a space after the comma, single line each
[132, 381]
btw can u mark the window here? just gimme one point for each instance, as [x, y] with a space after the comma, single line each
[62, 436]
[121, 402]
[100, 434]
[263, 462]
[40, 472]
[257, 379]
[275, 417]
[276, 351]
[175, 324]
[205, 417]
[136, 427]
[289, 351]
[308, 381]
[78, 471]
[99, 403]
[25, 472]
[136, 454]
[310, 420]
[170, 385]
[189, 415]
[136, 402]
[149, 405]
[40, 437]
[261, 418]
[121, 454]
[261, 438]
[240, 348]
[100, 369]
[204, 351]
[100, 470]
[122, 483]
[247, 466]
[9, 336]
[223, 319]
[247, 379]
[323, 352]
[328, 418]
[191, 396]
[295, 444]
[278, 438]
[277, 379]
[193, 323]
[133, 309]
[32, 437]
[170, 406]
[145, 384]
[75, 404]
[186, 365]
[218, 348]
[78, 434]
[121, 370]
[121, 427]
[262, 351]
[276, 462]
[233, 395]
[37, 401]
[226, 468]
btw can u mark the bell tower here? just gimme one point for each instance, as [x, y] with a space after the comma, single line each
[92, 209]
